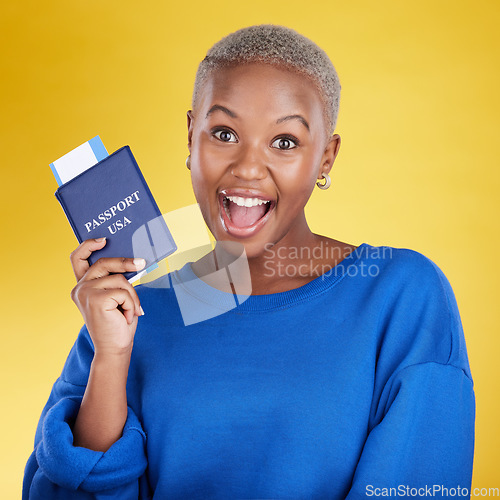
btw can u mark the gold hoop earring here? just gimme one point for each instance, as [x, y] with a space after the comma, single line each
[327, 182]
[188, 162]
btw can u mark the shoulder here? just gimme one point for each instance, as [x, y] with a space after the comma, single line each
[408, 276]
[419, 316]
[397, 259]
[401, 269]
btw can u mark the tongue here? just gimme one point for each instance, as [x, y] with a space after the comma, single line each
[245, 216]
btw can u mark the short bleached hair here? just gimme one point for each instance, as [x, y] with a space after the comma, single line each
[279, 46]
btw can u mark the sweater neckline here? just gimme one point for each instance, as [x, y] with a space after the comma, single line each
[206, 294]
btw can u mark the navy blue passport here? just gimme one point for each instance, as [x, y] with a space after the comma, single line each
[112, 199]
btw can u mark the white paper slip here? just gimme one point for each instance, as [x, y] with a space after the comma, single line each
[77, 161]
[138, 276]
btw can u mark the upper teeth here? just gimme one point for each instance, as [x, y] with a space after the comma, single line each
[246, 202]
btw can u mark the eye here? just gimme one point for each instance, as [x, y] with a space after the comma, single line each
[285, 143]
[225, 135]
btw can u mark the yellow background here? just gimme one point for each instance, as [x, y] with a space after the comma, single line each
[418, 167]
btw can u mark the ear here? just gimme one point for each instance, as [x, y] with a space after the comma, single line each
[190, 121]
[329, 155]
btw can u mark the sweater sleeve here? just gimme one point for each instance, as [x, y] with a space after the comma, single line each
[420, 439]
[425, 442]
[57, 469]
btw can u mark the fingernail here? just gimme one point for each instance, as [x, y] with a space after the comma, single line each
[100, 239]
[142, 312]
[139, 263]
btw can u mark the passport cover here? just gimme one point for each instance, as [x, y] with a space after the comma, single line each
[112, 199]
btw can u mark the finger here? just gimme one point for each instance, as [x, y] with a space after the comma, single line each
[106, 265]
[117, 297]
[80, 255]
[113, 281]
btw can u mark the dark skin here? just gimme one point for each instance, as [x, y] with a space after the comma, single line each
[261, 130]
[266, 139]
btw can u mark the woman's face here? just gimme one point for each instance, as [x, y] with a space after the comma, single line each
[258, 143]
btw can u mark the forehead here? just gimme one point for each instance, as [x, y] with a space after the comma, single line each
[261, 86]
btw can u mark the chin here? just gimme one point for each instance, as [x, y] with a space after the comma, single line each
[252, 248]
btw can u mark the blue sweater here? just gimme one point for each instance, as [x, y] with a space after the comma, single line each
[354, 382]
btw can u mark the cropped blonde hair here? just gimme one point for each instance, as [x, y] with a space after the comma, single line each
[279, 46]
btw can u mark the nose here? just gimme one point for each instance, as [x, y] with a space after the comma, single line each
[250, 164]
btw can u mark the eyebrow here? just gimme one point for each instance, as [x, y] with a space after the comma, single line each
[218, 107]
[294, 117]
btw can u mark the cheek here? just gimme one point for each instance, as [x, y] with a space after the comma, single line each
[204, 172]
[208, 163]
[206, 176]
[202, 183]
[296, 182]
[204, 194]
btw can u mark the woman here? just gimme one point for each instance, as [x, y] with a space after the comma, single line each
[322, 369]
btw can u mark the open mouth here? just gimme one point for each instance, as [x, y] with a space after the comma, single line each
[244, 215]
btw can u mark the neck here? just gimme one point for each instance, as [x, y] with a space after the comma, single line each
[294, 260]
[279, 267]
